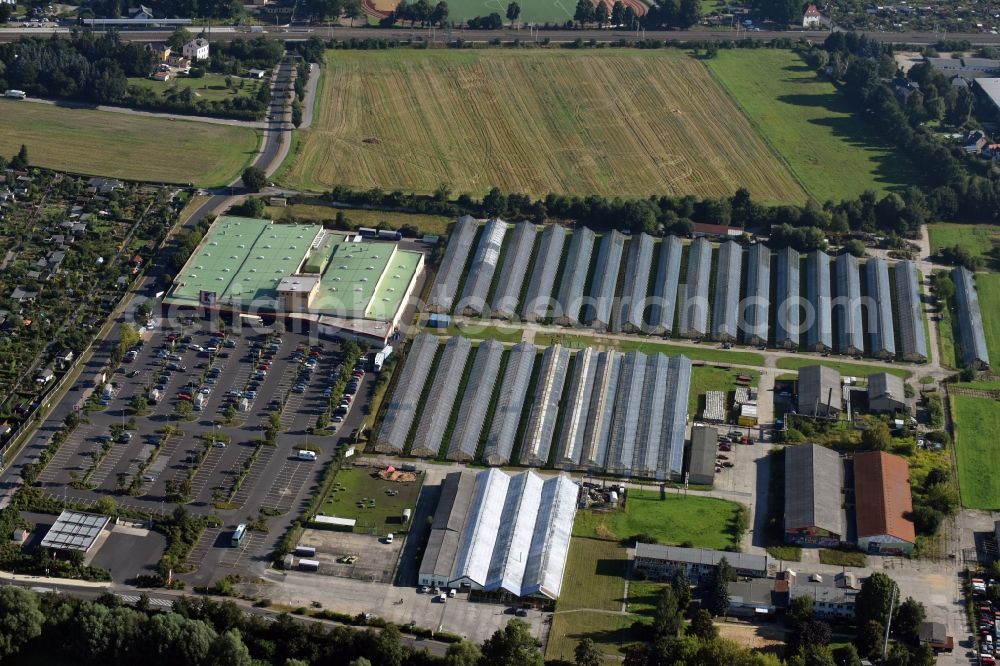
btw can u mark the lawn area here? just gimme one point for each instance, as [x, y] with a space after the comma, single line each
[211, 87]
[847, 369]
[120, 145]
[842, 558]
[354, 485]
[540, 121]
[428, 224]
[703, 522]
[706, 353]
[946, 336]
[977, 420]
[602, 564]
[610, 633]
[810, 124]
[706, 378]
[988, 286]
[480, 331]
[977, 239]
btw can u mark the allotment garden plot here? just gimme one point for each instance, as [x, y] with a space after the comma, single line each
[614, 123]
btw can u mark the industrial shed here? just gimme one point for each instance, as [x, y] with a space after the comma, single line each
[668, 271]
[402, 407]
[847, 308]
[513, 538]
[757, 309]
[574, 277]
[886, 393]
[884, 505]
[452, 267]
[629, 314]
[912, 337]
[819, 391]
[814, 487]
[970, 319]
[515, 267]
[693, 321]
[444, 389]
[819, 337]
[577, 400]
[507, 415]
[75, 530]
[602, 292]
[701, 467]
[882, 336]
[484, 265]
[788, 323]
[545, 407]
[538, 299]
[602, 408]
[476, 401]
[728, 276]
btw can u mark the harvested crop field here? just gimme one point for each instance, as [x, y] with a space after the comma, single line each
[601, 122]
[120, 145]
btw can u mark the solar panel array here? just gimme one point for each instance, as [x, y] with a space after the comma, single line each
[912, 340]
[882, 332]
[850, 330]
[538, 298]
[447, 378]
[452, 267]
[402, 407]
[484, 265]
[970, 319]
[725, 308]
[515, 267]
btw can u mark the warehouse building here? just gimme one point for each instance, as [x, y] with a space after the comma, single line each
[501, 533]
[514, 270]
[444, 388]
[701, 465]
[452, 267]
[507, 415]
[538, 298]
[630, 310]
[402, 407]
[884, 505]
[484, 265]
[847, 308]
[757, 309]
[602, 408]
[602, 292]
[476, 401]
[814, 486]
[820, 392]
[819, 337]
[970, 319]
[788, 321]
[668, 271]
[728, 277]
[578, 393]
[882, 337]
[912, 337]
[545, 407]
[886, 393]
[693, 321]
[574, 278]
[698, 564]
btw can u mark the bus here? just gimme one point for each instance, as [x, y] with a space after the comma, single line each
[241, 531]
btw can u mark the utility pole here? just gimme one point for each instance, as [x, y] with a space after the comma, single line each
[888, 624]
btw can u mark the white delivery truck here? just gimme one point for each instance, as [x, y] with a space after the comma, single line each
[306, 455]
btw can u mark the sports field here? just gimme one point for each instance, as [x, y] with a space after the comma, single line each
[120, 145]
[977, 421]
[580, 122]
[810, 124]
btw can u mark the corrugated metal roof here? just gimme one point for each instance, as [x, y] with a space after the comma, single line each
[701, 556]
[756, 310]
[694, 306]
[574, 278]
[886, 385]
[819, 391]
[970, 319]
[452, 267]
[546, 565]
[882, 495]
[484, 265]
[728, 277]
[668, 271]
[602, 408]
[476, 401]
[819, 337]
[704, 446]
[507, 415]
[883, 332]
[629, 313]
[403, 405]
[545, 406]
[448, 525]
[602, 292]
[482, 527]
[814, 482]
[444, 389]
[515, 267]
[578, 392]
[912, 339]
[788, 323]
[847, 308]
[538, 298]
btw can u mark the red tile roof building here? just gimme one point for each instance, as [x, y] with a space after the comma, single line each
[883, 504]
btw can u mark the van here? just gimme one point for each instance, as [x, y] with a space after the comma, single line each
[452, 592]
[443, 598]
[310, 455]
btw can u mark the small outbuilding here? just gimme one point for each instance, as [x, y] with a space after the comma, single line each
[886, 393]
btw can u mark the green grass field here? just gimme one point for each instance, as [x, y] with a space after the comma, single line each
[480, 331]
[532, 121]
[211, 87]
[428, 224]
[847, 369]
[977, 239]
[977, 420]
[353, 486]
[706, 378]
[120, 145]
[988, 286]
[610, 633]
[603, 565]
[705, 352]
[810, 124]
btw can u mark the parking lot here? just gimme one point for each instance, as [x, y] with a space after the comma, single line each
[156, 451]
[360, 556]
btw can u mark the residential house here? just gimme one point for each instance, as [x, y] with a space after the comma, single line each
[64, 358]
[105, 185]
[196, 49]
[886, 393]
[160, 76]
[974, 142]
[22, 295]
[54, 259]
[811, 17]
[831, 601]
[698, 564]
[140, 13]
[45, 376]
[256, 73]
[884, 506]
[161, 52]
